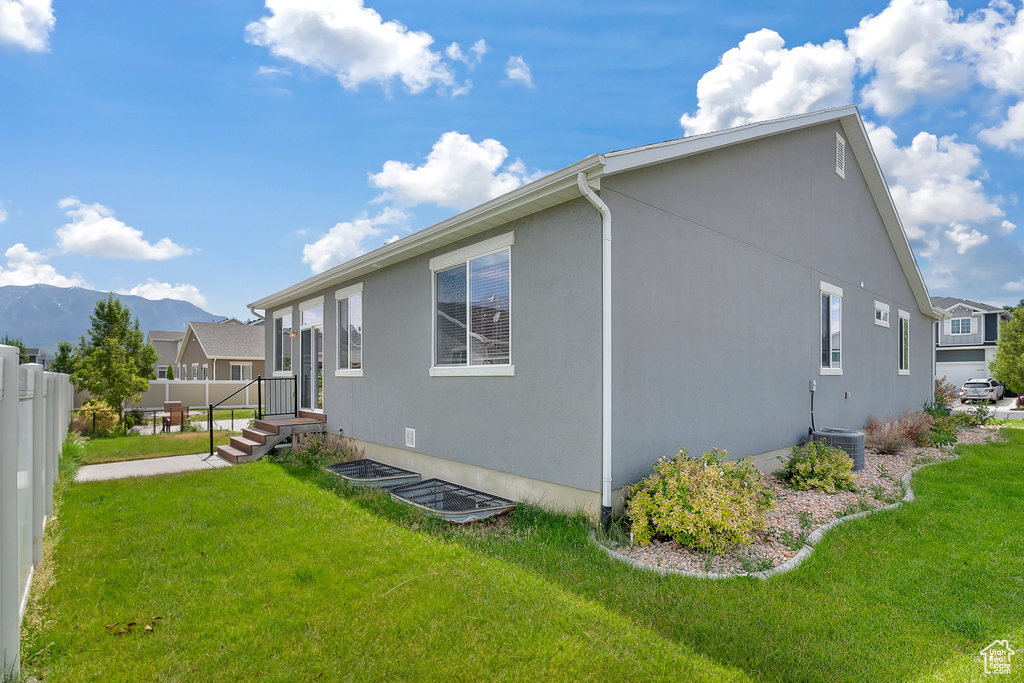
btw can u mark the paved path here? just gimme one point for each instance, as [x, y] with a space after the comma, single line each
[147, 468]
[1003, 410]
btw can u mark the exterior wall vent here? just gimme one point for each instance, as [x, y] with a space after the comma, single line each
[849, 440]
[840, 156]
[410, 438]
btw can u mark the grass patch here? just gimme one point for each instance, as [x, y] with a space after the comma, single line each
[251, 574]
[280, 573]
[137, 447]
[242, 415]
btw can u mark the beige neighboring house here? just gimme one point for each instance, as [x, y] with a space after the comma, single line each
[221, 351]
[166, 344]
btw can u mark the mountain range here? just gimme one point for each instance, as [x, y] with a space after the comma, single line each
[42, 315]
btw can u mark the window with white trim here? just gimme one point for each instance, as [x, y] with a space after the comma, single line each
[960, 326]
[472, 309]
[283, 335]
[904, 343]
[350, 331]
[831, 330]
[881, 314]
[195, 371]
[161, 372]
[206, 371]
[241, 372]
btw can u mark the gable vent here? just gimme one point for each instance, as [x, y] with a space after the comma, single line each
[840, 156]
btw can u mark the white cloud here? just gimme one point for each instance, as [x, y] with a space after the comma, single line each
[1008, 227]
[518, 70]
[26, 267]
[1010, 133]
[477, 51]
[350, 41]
[3, 213]
[912, 47]
[965, 238]
[458, 173]
[760, 79]
[26, 24]
[929, 180]
[156, 290]
[271, 71]
[1015, 286]
[347, 240]
[995, 36]
[93, 231]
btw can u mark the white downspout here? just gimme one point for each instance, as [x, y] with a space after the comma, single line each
[606, 346]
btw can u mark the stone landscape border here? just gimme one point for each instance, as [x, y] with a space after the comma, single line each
[809, 544]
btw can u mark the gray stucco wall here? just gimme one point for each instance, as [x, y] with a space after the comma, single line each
[543, 423]
[717, 261]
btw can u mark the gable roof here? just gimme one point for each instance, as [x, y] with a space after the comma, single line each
[562, 186]
[232, 341]
[165, 336]
[948, 303]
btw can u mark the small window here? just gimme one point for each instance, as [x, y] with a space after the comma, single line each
[161, 372]
[350, 331]
[241, 372]
[206, 372]
[195, 371]
[840, 156]
[283, 335]
[960, 326]
[881, 314]
[472, 309]
[904, 343]
[831, 330]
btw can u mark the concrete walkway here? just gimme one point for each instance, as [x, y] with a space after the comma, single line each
[147, 468]
[1003, 410]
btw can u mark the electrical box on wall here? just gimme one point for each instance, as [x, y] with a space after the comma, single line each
[813, 385]
[410, 438]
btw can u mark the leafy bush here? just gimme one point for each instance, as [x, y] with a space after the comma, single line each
[704, 502]
[105, 418]
[973, 417]
[320, 450]
[936, 406]
[817, 465]
[896, 433]
[943, 431]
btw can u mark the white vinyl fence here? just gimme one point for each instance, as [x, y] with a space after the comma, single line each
[34, 410]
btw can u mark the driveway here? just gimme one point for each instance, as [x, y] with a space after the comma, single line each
[1002, 409]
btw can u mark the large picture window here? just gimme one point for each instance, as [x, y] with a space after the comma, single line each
[350, 331]
[283, 334]
[241, 372]
[903, 347]
[831, 329]
[472, 309]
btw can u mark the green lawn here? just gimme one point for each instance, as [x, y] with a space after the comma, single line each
[137, 447]
[242, 415]
[261, 572]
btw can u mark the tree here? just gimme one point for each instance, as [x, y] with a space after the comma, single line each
[170, 372]
[1008, 365]
[64, 359]
[14, 342]
[114, 363]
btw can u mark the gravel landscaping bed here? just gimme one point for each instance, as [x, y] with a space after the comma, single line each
[797, 514]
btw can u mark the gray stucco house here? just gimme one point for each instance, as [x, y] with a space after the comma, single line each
[550, 344]
[966, 340]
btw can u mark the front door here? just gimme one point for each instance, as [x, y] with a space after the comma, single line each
[311, 364]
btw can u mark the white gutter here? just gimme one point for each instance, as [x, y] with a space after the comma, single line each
[606, 346]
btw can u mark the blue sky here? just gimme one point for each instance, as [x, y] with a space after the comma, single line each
[218, 151]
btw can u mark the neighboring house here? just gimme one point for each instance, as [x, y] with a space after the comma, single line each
[166, 344]
[34, 356]
[550, 344]
[965, 342]
[220, 351]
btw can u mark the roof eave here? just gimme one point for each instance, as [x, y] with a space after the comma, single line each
[551, 190]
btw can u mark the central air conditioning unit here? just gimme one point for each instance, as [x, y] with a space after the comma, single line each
[850, 440]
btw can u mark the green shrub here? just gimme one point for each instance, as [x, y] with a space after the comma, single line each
[943, 431]
[817, 465]
[704, 502]
[320, 450]
[936, 406]
[105, 418]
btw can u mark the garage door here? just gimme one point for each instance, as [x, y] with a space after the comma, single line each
[958, 373]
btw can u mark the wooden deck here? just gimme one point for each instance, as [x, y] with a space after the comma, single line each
[259, 440]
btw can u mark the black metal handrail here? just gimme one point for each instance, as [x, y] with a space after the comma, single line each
[277, 397]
